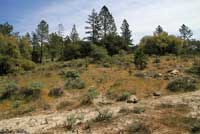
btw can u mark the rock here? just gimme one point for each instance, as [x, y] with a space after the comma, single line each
[156, 94]
[44, 122]
[132, 99]
[174, 72]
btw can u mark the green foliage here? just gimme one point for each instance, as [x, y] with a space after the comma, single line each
[185, 32]
[140, 59]
[157, 60]
[94, 27]
[55, 46]
[74, 84]
[138, 127]
[6, 29]
[126, 33]
[195, 69]
[25, 48]
[98, 53]
[89, 96]
[35, 86]
[184, 84]
[32, 91]
[6, 65]
[161, 44]
[107, 22]
[125, 96]
[71, 51]
[56, 92]
[74, 36]
[104, 115]
[70, 74]
[9, 46]
[71, 120]
[9, 90]
[114, 44]
[42, 35]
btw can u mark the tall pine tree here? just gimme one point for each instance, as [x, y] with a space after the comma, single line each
[126, 33]
[159, 30]
[42, 34]
[107, 22]
[94, 27]
[186, 32]
[74, 36]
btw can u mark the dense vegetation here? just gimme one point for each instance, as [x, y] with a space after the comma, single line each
[19, 53]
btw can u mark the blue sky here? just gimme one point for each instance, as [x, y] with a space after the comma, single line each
[143, 15]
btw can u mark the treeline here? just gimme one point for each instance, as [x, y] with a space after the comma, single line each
[23, 52]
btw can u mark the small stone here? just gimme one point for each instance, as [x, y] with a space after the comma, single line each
[132, 99]
[156, 94]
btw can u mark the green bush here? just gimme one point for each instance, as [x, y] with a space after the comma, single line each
[157, 60]
[26, 64]
[98, 53]
[70, 74]
[74, 84]
[104, 115]
[32, 91]
[6, 65]
[140, 59]
[138, 127]
[124, 96]
[9, 90]
[90, 96]
[184, 84]
[195, 68]
[55, 92]
[71, 51]
[35, 86]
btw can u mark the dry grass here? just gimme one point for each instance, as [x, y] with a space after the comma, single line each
[116, 77]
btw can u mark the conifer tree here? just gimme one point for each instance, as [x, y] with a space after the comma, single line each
[126, 33]
[94, 27]
[74, 36]
[107, 22]
[42, 34]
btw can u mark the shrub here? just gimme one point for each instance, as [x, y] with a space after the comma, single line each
[32, 91]
[63, 105]
[74, 84]
[9, 90]
[125, 96]
[138, 127]
[71, 51]
[195, 68]
[26, 64]
[98, 53]
[70, 74]
[138, 110]
[55, 92]
[70, 122]
[90, 96]
[104, 115]
[157, 60]
[140, 59]
[195, 129]
[6, 65]
[182, 84]
[16, 104]
[35, 86]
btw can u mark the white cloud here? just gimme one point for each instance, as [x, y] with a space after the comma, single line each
[143, 16]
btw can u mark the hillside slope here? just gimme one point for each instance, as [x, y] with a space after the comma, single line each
[167, 115]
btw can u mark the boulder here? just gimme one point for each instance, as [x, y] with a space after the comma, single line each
[132, 99]
[156, 94]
